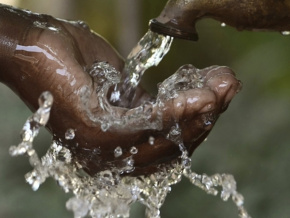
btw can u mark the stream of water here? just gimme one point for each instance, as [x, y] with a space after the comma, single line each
[149, 51]
[107, 194]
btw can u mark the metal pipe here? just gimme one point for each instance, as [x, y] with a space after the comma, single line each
[179, 17]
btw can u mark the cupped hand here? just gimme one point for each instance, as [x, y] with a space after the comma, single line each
[40, 53]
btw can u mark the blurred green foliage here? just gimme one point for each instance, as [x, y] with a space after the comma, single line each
[249, 141]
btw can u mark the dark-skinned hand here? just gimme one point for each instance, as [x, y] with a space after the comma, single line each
[40, 53]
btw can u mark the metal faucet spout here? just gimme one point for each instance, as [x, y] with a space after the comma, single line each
[179, 17]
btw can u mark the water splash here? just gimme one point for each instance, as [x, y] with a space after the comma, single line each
[149, 51]
[107, 117]
[151, 140]
[133, 150]
[107, 194]
[69, 134]
[29, 132]
[32, 125]
[118, 152]
[185, 78]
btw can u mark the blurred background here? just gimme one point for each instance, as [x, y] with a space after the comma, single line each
[251, 140]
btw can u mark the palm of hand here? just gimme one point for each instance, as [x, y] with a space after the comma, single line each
[55, 55]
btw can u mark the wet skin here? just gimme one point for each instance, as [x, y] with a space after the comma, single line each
[40, 53]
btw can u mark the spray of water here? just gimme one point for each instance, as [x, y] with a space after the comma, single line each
[149, 51]
[107, 194]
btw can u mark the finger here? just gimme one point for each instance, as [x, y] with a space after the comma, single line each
[94, 47]
[196, 110]
[222, 81]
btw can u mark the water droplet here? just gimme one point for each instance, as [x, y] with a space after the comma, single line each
[175, 134]
[115, 96]
[229, 186]
[105, 126]
[207, 181]
[209, 107]
[33, 179]
[40, 24]
[223, 24]
[133, 150]
[118, 151]
[238, 199]
[243, 213]
[207, 122]
[21, 149]
[69, 134]
[128, 165]
[186, 162]
[285, 33]
[175, 130]
[96, 151]
[79, 206]
[53, 28]
[82, 24]
[151, 140]
[45, 100]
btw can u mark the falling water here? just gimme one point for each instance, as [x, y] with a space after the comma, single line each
[107, 194]
[149, 51]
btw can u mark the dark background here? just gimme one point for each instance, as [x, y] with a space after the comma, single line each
[251, 140]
